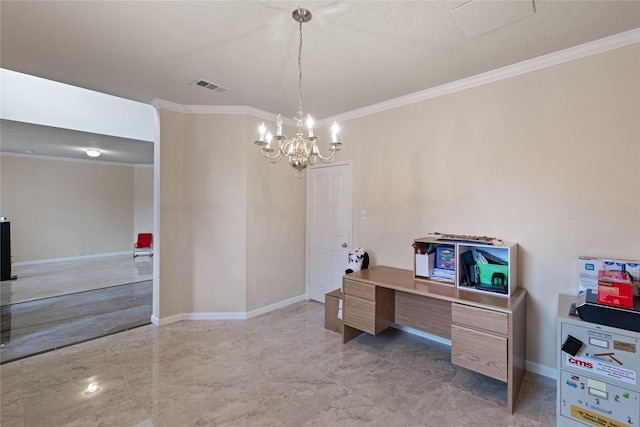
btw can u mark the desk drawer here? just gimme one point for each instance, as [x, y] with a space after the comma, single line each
[360, 314]
[480, 318]
[479, 352]
[362, 290]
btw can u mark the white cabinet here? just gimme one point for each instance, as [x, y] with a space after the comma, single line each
[598, 369]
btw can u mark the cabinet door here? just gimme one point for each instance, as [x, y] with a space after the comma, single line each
[480, 352]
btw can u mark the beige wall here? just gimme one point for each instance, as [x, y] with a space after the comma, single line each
[173, 248]
[239, 220]
[276, 227]
[215, 210]
[60, 209]
[550, 160]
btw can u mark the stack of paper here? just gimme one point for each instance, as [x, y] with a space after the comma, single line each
[443, 274]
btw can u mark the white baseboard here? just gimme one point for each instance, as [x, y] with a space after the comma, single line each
[225, 315]
[539, 369]
[170, 319]
[197, 316]
[422, 334]
[72, 258]
[275, 306]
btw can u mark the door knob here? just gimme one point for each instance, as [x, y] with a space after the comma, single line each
[344, 245]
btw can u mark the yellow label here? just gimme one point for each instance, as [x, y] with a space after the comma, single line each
[624, 346]
[594, 419]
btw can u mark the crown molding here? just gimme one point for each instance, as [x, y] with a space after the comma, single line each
[158, 103]
[545, 61]
[581, 51]
[226, 109]
[220, 109]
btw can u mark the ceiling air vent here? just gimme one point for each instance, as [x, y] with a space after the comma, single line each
[211, 86]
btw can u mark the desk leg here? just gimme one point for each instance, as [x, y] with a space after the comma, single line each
[349, 333]
[517, 354]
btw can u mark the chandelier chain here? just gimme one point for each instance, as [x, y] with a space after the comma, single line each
[300, 72]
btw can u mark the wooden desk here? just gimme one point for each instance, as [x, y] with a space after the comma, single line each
[487, 331]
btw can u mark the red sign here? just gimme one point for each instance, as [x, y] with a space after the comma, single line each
[581, 363]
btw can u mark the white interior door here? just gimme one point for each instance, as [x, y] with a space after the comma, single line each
[328, 227]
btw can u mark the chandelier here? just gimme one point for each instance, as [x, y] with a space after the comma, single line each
[301, 150]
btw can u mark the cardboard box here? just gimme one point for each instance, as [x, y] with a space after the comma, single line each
[332, 303]
[588, 272]
[424, 264]
[588, 268]
[614, 289]
[631, 267]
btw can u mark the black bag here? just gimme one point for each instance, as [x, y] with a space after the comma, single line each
[469, 273]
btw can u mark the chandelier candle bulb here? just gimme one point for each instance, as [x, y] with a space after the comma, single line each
[310, 125]
[334, 132]
[262, 129]
[269, 138]
[279, 125]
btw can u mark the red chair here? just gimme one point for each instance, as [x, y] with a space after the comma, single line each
[144, 244]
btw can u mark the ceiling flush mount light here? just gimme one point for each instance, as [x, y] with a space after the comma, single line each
[92, 152]
[301, 150]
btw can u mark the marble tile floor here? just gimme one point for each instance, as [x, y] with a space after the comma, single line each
[46, 280]
[42, 325]
[278, 369]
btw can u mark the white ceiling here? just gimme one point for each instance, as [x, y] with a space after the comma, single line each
[355, 53]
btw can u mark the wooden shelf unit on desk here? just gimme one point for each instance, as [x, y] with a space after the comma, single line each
[381, 296]
[451, 252]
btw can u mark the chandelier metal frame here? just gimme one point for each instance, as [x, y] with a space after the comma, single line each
[301, 150]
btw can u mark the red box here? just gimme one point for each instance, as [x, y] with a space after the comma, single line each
[615, 289]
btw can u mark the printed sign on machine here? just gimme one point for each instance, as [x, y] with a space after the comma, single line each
[603, 368]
